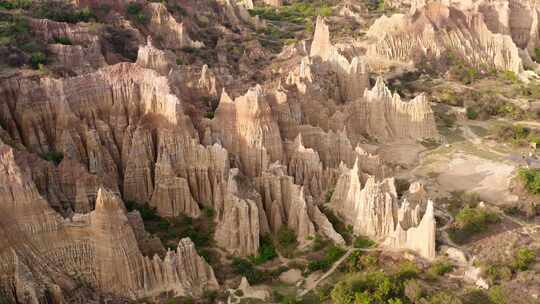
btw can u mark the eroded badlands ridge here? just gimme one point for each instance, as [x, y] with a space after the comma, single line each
[277, 149]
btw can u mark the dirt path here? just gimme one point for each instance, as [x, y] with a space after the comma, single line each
[334, 267]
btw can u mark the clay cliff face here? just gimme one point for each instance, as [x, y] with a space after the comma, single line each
[130, 123]
[98, 248]
[435, 30]
[373, 209]
[352, 77]
[82, 55]
[137, 132]
[173, 34]
[247, 129]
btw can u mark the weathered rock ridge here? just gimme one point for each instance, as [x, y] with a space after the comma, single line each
[438, 30]
[41, 250]
[373, 209]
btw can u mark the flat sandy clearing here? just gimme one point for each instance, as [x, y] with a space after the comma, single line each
[465, 172]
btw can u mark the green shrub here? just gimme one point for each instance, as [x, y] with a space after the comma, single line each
[444, 298]
[147, 213]
[440, 267]
[471, 113]
[267, 251]
[179, 61]
[497, 295]
[328, 195]
[470, 221]
[537, 54]
[15, 4]
[245, 268]
[531, 178]
[53, 156]
[371, 287]
[210, 114]
[510, 76]
[62, 12]
[498, 272]
[62, 40]
[286, 236]
[407, 270]
[37, 59]
[209, 212]
[135, 10]
[333, 253]
[318, 265]
[362, 242]
[523, 259]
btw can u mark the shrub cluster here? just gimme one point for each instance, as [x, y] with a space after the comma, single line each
[333, 253]
[531, 179]
[53, 156]
[470, 221]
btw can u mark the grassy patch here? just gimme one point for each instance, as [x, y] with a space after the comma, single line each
[289, 23]
[523, 259]
[267, 251]
[136, 13]
[531, 179]
[286, 241]
[53, 156]
[470, 221]
[440, 267]
[333, 253]
[369, 287]
[62, 40]
[15, 4]
[171, 230]
[517, 134]
[362, 242]
[61, 12]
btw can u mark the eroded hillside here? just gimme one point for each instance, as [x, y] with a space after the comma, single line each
[227, 151]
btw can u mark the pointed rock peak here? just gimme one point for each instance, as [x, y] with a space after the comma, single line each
[429, 210]
[360, 151]
[107, 201]
[354, 169]
[321, 45]
[298, 142]
[255, 92]
[379, 90]
[185, 243]
[225, 98]
[421, 99]
[149, 41]
[417, 187]
[204, 69]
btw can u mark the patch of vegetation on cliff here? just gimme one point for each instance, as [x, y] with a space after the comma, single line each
[531, 179]
[171, 230]
[517, 135]
[289, 23]
[53, 156]
[136, 13]
[470, 221]
[332, 254]
[267, 251]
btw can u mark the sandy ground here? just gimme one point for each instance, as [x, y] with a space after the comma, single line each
[291, 276]
[470, 173]
[401, 153]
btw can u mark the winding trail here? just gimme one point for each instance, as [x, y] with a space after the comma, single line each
[330, 271]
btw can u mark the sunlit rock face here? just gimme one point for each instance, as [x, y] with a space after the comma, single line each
[435, 30]
[100, 247]
[373, 209]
